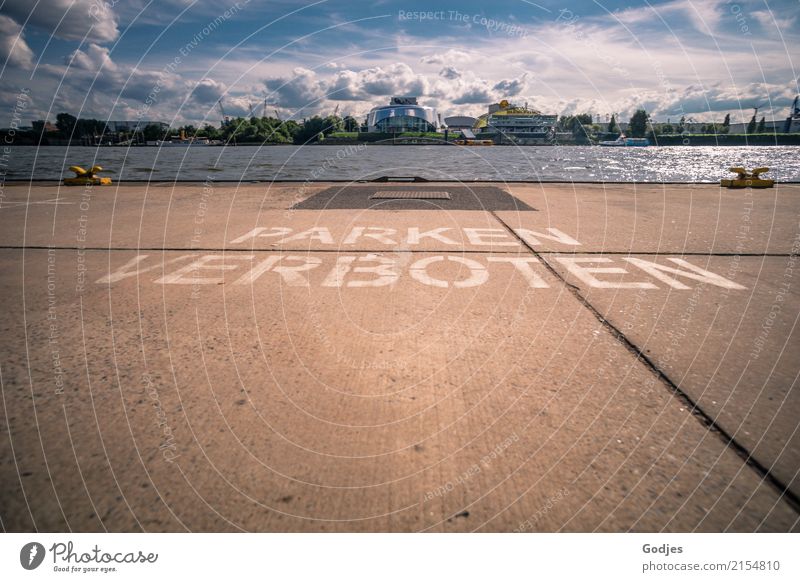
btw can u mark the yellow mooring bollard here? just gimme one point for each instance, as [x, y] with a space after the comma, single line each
[86, 177]
[747, 179]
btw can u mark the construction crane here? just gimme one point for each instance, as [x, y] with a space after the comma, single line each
[225, 119]
[267, 104]
[336, 110]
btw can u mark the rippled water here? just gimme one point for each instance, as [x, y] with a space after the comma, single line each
[560, 163]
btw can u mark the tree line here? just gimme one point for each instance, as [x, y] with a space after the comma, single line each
[235, 130]
[640, 125]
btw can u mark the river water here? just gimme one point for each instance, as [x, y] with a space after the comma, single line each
[557, 163]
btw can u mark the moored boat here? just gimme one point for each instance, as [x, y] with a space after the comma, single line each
[623, 141]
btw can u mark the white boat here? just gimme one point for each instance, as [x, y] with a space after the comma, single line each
[623, 142]
[184, 140]
[200, 141]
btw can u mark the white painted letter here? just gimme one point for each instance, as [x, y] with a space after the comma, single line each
[336, 277]
[320, 233]
[386, 271]
[179, 277]
[125, 270]
[694, 272]
[381, 235]
[291, 275]
[259, 232]
[414, 235]
[476, 236]
[419, 273]
[532, 237]
[585, 274]
[258, 270]
[478, 273]
[522, 264]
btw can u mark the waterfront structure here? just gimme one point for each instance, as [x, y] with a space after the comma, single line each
[770, 126]
[403, 114]
[134, 125]
[459, 122]
[792, 122]
[518, 124]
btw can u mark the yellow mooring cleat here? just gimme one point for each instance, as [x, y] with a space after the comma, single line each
[747, 179]
[86, 177]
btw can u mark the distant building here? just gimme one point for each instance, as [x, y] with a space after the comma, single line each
[401, 115]
[137, 125]
[518, 124]
[46, 126]
[774, 126]
[457, 122]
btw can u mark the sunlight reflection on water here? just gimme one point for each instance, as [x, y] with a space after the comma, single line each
[558, 163]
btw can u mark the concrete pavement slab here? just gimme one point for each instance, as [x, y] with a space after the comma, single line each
[196, 399]
[206, 357]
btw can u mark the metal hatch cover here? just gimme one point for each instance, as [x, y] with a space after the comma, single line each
[413, 197]
[410, 195]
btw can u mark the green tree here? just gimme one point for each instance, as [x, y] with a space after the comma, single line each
[316, 128]
[153, 132]
[612, 125]
[333, 123]
[209, 131]
[233, 131]
[84, 127]
[762, 125]
[637, 126]
[751, 127]
[350, 123]
[65, 124]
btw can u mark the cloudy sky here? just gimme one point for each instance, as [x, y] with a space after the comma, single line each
[171, 60]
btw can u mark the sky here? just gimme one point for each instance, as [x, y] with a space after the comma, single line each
[173, 60]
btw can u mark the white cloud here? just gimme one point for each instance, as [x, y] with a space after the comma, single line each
[511, 87]
[445, 58]
[13, 49]
[66, 19]
[93, 59]
[474, 95]
[208, 91]
[703, 15]
[601, 63]
[769, 20]
[300, 90]
[306, 88]
[450, 73]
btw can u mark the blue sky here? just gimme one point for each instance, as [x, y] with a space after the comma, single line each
[172, 60]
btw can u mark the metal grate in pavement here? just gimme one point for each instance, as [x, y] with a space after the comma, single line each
[410, 195]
